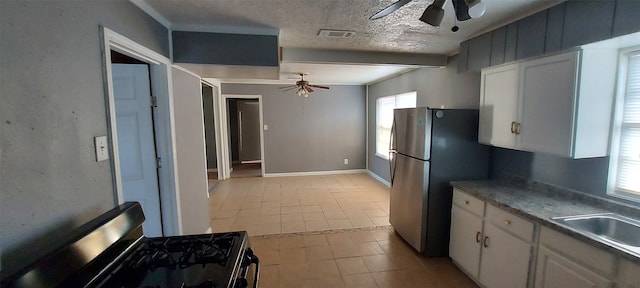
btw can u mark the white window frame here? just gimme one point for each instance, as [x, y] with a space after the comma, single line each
[616, 133]
[412, 93]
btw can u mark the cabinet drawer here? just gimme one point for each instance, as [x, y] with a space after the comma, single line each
[510, 223]
[467, 202]
[579, 252]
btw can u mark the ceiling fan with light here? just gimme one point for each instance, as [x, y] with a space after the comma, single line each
[433, 15]
[302, 87]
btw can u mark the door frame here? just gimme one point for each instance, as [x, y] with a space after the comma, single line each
[217, 119]
[226, 162]
[164, 124]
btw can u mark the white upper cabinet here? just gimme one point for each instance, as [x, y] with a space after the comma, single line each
[560, 104]
[499, 88]
[547, 104]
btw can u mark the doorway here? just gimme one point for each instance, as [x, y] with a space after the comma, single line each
[138, 149]
[245, 137]
[209, 93]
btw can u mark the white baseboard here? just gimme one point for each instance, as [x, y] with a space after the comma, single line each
[380, 179]
[212, 170]
[315, 173]
[251, 161]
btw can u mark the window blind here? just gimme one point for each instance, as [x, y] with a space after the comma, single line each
[384, 118]
[628, 168]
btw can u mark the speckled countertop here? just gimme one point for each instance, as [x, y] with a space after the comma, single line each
[540, 202]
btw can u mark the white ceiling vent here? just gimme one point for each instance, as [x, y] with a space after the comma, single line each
[336, 33]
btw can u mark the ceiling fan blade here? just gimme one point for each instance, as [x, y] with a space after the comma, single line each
[389, 9]
[321, 87]
[308, 89]
[462, 10]
[284, 89]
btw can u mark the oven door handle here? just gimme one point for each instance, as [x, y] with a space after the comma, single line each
[253, 259]
[248, 259]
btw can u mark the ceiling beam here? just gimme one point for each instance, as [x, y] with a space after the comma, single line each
[306, 55]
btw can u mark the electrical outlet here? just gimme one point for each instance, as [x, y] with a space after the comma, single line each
[346, 161]
[102, 148]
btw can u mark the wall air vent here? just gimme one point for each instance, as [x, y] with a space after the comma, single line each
[336, 33]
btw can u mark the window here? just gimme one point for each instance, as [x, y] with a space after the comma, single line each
[624, 180]
[384, 118]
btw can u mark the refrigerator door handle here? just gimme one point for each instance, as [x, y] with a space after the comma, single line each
[392, 147]
[392, 140]
[392, 166]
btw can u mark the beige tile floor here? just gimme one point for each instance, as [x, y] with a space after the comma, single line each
[367, 257]
[265, 206]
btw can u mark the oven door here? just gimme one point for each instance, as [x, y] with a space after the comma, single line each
[249, 272]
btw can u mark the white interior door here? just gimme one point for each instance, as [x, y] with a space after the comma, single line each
[136, 146]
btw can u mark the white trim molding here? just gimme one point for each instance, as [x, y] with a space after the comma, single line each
[316, 173]
[380, 179]
[226, 161]
[164, 123]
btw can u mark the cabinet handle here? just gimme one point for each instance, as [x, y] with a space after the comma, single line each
[485, 243]
[513, 127]
[517, 128]
[507, 222]
[478, 237]
[466, 202]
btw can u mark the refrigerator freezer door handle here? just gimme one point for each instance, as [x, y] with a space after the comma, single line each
[392, 150]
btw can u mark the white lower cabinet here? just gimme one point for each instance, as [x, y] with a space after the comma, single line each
[466, 235]
[565, 262]
[494, 247]
[628, 275]
[505, 259]
[555, 271]
[489, 249]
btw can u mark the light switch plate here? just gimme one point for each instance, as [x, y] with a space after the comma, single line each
[102, 148]
[266, 127]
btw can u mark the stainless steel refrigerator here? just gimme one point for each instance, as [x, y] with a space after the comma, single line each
[429, 148]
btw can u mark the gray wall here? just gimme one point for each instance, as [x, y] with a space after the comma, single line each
[584, 175]
[209, 125]
[435, 87]
[190, 151]
[310, 134]
[53, 104]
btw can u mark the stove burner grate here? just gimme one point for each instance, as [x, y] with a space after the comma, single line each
[182, 252]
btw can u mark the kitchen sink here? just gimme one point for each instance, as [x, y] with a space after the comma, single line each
[619, 231]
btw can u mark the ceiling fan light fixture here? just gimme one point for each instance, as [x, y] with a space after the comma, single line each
[434, 13]
[476, 8]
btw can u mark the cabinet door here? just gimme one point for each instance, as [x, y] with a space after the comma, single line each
[505, 259]
[498, 106]
[479, 52]
[531, 35]
[463, 248]
[498, 38]
[580, 26]
[628, 275]
[548, 95]
[555, 271]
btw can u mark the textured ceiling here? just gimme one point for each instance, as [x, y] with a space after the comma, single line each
[299, 21]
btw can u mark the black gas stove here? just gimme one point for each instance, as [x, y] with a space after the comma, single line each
[111, 251]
